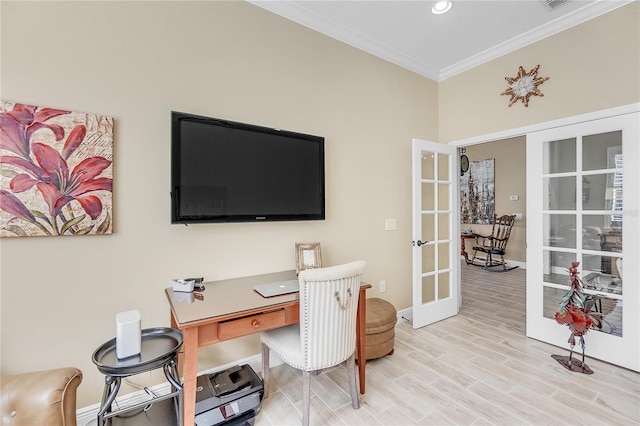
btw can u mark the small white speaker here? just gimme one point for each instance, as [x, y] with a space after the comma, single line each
[128, 334]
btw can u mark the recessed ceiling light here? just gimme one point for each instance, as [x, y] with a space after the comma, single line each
[442, 6]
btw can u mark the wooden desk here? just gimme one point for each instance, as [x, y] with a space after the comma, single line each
[230, 308]
[463, 250]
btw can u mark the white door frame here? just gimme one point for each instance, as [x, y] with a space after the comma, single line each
[522, 131]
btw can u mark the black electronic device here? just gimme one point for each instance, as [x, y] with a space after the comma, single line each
[228, 397]
[197, 283]
[225, 171]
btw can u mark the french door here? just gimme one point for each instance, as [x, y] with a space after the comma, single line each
[435, 230]
[583, 198]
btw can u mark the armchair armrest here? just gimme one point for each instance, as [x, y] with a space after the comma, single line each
[481, 240]
[40, 398]
[488, 240]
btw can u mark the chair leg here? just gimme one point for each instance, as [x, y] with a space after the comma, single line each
[265, 370]
[306, 397]
[351, 369]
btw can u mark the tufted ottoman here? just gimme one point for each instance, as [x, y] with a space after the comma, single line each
[380, 331]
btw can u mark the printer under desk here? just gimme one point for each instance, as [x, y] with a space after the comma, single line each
[229, 397]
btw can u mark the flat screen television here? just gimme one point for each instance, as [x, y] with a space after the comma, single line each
[225, 171]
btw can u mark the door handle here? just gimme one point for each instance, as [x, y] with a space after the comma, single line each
[418, 243]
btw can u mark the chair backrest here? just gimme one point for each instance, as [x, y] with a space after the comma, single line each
[501, 230]
[328, 307]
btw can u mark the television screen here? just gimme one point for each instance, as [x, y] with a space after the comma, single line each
[224, 171]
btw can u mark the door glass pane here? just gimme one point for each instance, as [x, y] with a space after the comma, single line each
[552, 298]
[443, 196]
[443, 167]
[428, 257]
[555, 266]
[611, 241]
[428, 227]
[559, 193]
[428, 289]
[559, 230]
[594, 191]
[428, 165]
[444, 290]
[602, 273]
[599, 232]
[597, 191]
[443, 256]
[443, 226]
[428, 196]
[596, 150]
[560, 156]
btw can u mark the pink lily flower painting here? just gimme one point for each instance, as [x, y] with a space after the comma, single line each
[56, 172]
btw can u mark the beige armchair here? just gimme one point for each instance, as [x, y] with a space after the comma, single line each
[40, 398]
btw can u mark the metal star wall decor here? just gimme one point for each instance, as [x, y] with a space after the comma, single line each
[524, 85]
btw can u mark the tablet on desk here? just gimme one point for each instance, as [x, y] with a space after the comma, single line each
[277, 288]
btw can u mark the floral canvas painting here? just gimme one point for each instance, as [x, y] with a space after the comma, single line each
[477, 193]
[56, 172]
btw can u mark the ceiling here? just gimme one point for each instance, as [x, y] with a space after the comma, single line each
[407, 34]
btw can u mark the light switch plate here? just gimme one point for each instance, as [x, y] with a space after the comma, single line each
[390, 224]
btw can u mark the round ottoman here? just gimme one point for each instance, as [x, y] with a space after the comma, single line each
[380, 331]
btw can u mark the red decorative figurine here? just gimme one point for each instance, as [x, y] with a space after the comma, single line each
[575, 312]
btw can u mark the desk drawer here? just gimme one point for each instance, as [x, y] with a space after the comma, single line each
[251, 324]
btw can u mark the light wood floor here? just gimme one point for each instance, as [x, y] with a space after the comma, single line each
[476, 368]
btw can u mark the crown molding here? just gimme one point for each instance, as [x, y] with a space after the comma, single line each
[556, 26]
[293, 11]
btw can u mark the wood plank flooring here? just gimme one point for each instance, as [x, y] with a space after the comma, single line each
[476, 368]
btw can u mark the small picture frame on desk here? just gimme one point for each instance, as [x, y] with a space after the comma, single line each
[308, 256]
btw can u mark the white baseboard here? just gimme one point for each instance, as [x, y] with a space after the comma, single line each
[88, 416]
[405, 315]
[522, 265]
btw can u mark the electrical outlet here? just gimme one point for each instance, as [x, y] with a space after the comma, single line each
[383, 286]
[390, 224]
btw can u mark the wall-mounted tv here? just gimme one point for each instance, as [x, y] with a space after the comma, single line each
[225, 171]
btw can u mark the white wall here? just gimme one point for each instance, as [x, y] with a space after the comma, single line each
[137, 61]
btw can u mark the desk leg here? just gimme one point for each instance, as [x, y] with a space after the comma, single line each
[463, 249]
[190, 374]
[361, 334]
[463, 246]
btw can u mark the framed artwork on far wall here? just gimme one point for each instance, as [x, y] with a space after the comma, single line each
[477, 193]
[308, 256]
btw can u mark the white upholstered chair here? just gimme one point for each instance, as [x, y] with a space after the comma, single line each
[326, 333]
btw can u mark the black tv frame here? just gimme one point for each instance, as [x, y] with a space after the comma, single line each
[177, 217]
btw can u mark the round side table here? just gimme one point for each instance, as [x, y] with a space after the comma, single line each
[159, 349]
